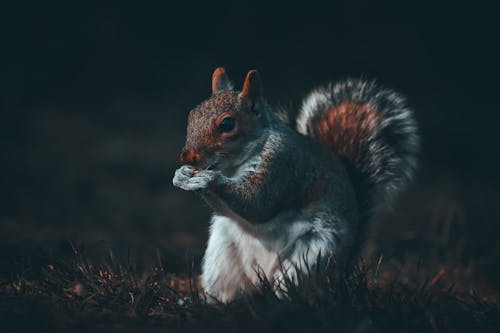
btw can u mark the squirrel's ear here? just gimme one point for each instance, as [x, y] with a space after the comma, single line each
[220, 81]
[252, 88]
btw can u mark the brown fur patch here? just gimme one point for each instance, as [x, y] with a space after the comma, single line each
[255, 179]
[345, 128]
[202, 130]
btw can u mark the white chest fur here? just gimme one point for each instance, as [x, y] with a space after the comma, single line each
[236, 252]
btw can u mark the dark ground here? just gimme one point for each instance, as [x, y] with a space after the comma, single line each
[94, 103]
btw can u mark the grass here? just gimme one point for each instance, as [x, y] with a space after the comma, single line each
[79, 295]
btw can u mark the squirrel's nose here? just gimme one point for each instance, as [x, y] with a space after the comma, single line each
[190, 157]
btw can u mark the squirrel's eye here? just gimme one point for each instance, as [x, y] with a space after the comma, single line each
[227, 125]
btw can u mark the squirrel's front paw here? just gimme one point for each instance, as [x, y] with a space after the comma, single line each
[189, 179]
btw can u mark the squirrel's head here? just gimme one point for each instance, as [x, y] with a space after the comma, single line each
[220, 129]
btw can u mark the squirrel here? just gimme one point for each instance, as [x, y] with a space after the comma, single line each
[284, 193]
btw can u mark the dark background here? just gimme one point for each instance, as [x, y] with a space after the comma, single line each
[94, 101]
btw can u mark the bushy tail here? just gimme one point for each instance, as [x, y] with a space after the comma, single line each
[369, 127]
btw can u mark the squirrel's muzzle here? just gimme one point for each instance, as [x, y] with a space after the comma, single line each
[190, 157]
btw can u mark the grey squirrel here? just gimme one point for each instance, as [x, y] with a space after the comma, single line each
[282, 196]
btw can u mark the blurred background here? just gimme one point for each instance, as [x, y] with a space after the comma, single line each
[94, 103]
